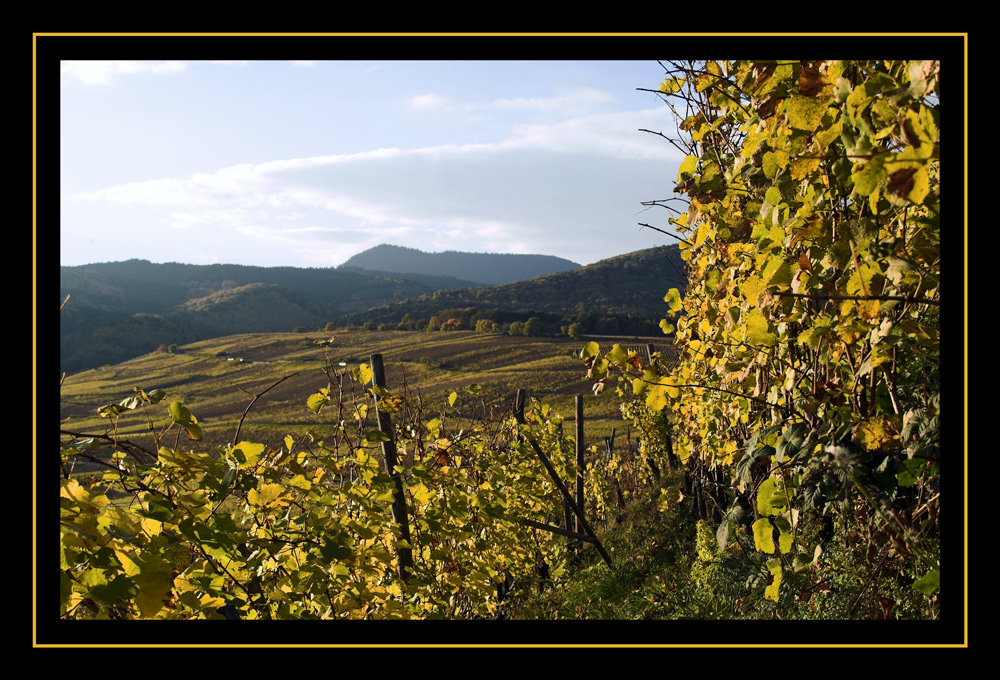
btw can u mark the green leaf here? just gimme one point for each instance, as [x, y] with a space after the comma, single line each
[770, 500]
[806, 113]
[771, 591]
[867, 175]
[183, 417]
[317, 401]
[334, 552]
[120, 589]
[763, 537]
[773, 196]
[688, 168]
[791, 442]
[249, 453]
[591, 349]
[363, 374]
[928, 583]
[599, 370]
[722, 535]
[618, 355]
[759, 330]
[452, 398]
[672, 85]
[160, 510]
[376, 436]
[673, 298]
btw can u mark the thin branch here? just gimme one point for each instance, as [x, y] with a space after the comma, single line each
[818, 296]
[682, 240]
[236, 437]
[673, 142]
[130, 447]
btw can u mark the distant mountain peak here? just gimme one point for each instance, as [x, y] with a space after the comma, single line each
[486, 268]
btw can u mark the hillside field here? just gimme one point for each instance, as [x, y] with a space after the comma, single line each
[217, 379]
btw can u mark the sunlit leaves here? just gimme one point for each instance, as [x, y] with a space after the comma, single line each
[869, 174]
[363, 374]
[183, 417]
[763, 535]
[806, 112]
[673, 298]
[318, 400]
[759, 329]
[770, 500]
[877, 433]
[774, 580]
[687, 168]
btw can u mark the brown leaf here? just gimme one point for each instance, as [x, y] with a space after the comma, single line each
[761, 72]
[769, 106]
[811, 81]
[804, 262]
[886, 607]
[909, 135]
[901, 182]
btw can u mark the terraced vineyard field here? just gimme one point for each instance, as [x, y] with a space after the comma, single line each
[217, 379]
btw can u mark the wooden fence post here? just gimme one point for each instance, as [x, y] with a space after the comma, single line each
[579, 459]
[519, 409]
[569, 498]
[399, 513]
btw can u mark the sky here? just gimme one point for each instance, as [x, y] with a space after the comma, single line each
[306, 163]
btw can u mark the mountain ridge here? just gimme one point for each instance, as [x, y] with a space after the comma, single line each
[118, 311]
[483, 268]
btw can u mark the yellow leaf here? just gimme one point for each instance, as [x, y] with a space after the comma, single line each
[876, 434]
[269, 495]
[773, 580]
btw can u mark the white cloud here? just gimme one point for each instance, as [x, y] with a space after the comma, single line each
[304, 64]
[574, 99]
[557, 188]
[470, 193]
[99, 72]
[427, 101]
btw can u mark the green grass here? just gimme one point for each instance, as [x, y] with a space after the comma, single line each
[663, 572]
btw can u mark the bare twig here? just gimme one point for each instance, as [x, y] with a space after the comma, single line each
[682, 240]
[236, 437]
[819, 296]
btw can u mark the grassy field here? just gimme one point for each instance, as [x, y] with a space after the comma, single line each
[217, 379]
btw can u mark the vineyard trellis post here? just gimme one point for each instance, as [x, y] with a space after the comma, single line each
[589, 536]
[399, 512]
[579, 459]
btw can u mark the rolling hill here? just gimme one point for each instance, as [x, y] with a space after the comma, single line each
[488, 269]
[121, 310]
[626, 285]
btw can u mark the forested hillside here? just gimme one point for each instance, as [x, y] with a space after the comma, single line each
[483, 268]
[625, 285]
[120, 310]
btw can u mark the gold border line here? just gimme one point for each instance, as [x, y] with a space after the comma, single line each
[34, 584]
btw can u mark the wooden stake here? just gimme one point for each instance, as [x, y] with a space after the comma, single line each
[399, 513]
